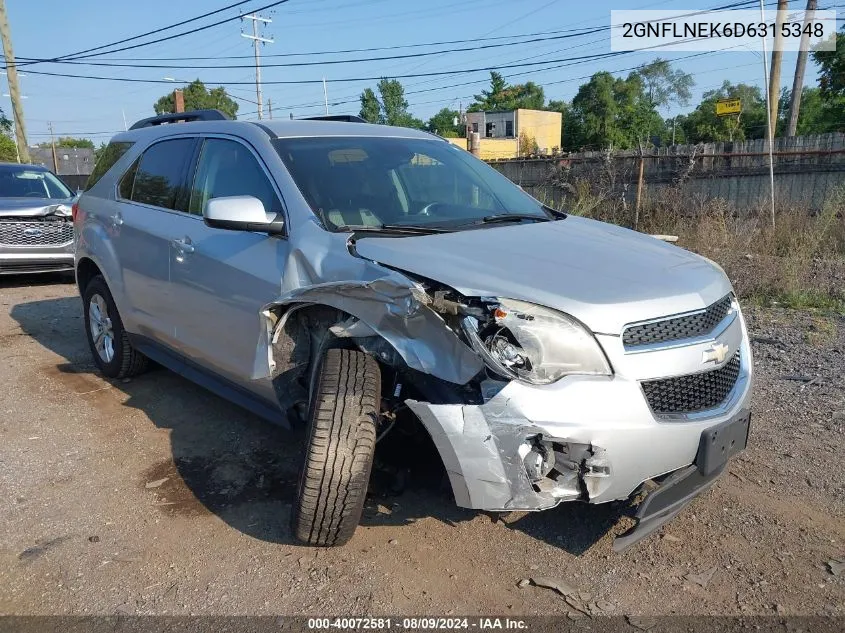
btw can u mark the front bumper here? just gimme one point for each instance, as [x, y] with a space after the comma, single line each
[35, 262]
[36, 258]
[602, 430]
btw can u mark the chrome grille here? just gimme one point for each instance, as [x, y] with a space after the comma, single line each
[678, 328]
[695, 392]
[54, 233]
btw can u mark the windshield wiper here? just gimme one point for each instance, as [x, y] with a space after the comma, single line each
[409, 229]
[513, 217]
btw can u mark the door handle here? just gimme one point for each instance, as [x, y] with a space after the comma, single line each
[116, 219]
[183, 247]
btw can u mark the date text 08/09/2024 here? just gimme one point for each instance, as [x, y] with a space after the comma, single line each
[416, 624]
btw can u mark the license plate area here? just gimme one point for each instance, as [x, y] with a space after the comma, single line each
[719, 443]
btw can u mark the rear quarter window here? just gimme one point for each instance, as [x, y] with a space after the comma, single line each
[110, 155]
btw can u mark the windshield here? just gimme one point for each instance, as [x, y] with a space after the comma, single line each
[374, 181]
[18, 181]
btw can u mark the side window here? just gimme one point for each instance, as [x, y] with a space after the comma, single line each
[108, 157]
[124, 189]
[161, 172]
[228, 168]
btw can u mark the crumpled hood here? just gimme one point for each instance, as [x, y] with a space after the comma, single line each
[30, 207]
[601, 274]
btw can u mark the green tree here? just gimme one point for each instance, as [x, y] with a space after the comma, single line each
[664, 85]
[5, 123]
[443, 123]
[611, 112]
[392, 107]
[818, 114]
[370, 107]
[8, 152]
[69, 141]
[198, 97]
[702, 125]
[502, 96]
[571, 130]
[832, 68]
[489, 99]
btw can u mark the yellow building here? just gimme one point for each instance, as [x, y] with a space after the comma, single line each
[515, 133]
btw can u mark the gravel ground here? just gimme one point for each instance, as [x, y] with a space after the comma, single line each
[156, 497]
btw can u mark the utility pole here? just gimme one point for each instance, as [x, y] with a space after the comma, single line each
[270, 109]
[325, 95]
[53, 145]
[256, 41]
[777, 56]
[769, 122]
[800, 67]
[14, 89]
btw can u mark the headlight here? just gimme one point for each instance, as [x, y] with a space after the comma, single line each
[535, 344]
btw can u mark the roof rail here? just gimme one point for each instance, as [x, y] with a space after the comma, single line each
[348, 118]
[176, 117]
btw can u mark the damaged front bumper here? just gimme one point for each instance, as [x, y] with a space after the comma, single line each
[582, 438]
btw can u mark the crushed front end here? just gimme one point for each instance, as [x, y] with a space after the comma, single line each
[565, 414]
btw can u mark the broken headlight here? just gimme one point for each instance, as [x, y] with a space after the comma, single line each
[535, 344]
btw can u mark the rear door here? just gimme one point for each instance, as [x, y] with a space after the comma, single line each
[153, 193]
[222, 279]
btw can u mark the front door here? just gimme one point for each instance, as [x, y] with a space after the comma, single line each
[152, 195]
[222, 279]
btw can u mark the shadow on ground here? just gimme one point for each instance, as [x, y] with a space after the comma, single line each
[227, 462]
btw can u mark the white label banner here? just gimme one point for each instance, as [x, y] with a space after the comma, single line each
[700, 30]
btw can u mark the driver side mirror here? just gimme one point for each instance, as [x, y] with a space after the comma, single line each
[241, 213]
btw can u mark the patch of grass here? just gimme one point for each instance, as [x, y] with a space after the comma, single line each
[822, 331]
[801, 300]
[797, 263]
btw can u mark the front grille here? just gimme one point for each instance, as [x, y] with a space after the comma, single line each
[678, 328]
[695, 392]
[54, 233]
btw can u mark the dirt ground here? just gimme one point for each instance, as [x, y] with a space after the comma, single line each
[156, 497]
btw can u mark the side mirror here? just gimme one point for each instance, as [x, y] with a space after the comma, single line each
[240, 213]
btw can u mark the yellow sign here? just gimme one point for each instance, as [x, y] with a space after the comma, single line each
[728, 106]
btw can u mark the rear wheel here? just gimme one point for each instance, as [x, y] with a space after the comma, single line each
[339, 452]
[110, 346]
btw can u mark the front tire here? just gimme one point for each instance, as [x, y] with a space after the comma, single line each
[110, 346]
[339, 453]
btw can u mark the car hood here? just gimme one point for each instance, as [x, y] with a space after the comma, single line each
[30, 207]
[601, 274]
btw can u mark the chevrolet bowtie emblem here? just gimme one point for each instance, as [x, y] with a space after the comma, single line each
[717, 353]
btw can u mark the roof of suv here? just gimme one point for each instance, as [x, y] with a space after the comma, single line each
[296, 128]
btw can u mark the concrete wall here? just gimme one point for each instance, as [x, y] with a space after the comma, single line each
[544, 127]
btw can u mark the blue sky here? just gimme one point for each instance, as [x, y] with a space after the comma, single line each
[95, 108]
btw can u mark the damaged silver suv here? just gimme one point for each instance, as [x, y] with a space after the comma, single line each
[338, 273]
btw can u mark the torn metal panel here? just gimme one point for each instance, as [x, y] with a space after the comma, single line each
[486, 458]
[390, 307]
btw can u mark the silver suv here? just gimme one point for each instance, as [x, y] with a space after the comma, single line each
[349, 275]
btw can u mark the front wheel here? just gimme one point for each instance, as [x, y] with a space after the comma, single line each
[110, 346]
[339, 452]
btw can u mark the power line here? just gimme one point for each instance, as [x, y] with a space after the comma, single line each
[148, 33]
[156, 41]
[334, 52]
[342, 61]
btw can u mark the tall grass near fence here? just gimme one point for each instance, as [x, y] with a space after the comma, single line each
[800, 262]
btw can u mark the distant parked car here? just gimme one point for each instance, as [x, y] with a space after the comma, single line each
[36, 231]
